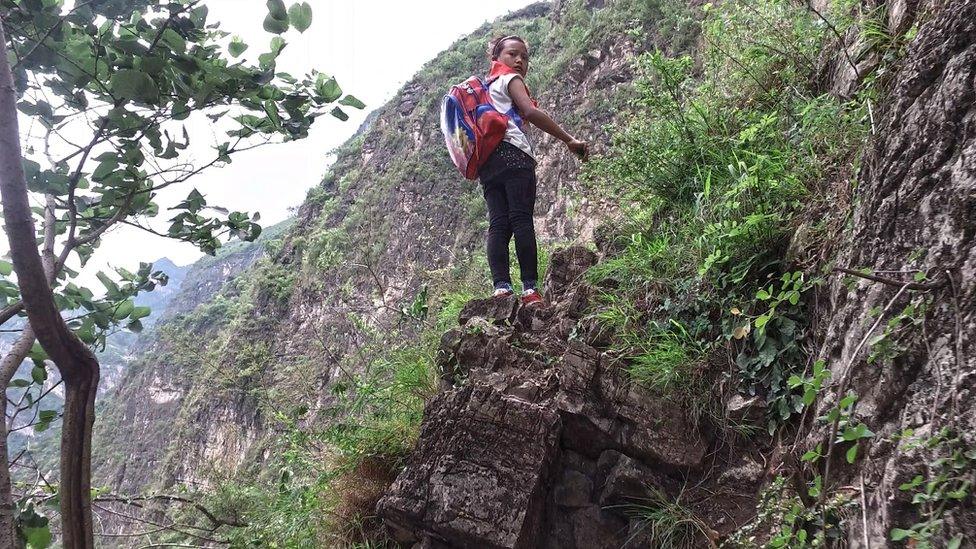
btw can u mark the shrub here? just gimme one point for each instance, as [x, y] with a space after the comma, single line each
[719, 157]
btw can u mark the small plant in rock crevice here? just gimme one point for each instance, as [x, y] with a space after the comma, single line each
[661, 521]
[772, 345]
[783, 521]
[947, 482]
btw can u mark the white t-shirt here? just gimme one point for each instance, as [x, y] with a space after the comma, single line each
[502, 101]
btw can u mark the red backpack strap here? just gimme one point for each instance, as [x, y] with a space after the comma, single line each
[499, 69]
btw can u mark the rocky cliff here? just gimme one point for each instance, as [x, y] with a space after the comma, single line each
[152, 378]
[390, 219]
[684, 386]
[916, 214]
[539, 439]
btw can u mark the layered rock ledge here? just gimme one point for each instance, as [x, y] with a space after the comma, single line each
[539, 439]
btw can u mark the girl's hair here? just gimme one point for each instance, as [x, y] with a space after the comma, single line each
[496, 45]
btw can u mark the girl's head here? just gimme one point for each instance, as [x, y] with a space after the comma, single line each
[511, 51]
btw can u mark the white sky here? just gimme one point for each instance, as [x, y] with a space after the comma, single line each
[372, 47]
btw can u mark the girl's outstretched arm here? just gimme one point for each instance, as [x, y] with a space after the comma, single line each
[539, 117]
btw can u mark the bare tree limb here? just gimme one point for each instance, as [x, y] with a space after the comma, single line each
[891, 281]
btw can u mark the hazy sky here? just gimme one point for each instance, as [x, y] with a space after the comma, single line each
[372, 47]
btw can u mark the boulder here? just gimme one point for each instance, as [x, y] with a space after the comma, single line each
[479, 474]
[537, 434]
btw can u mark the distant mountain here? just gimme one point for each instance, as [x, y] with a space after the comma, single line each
[188, 287]
[119, 347]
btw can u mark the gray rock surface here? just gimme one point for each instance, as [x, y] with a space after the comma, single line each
[916, 211]
[527, 450]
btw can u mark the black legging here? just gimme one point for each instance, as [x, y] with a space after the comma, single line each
[511, 199]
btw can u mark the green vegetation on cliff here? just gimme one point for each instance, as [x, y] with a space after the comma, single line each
[728, 172]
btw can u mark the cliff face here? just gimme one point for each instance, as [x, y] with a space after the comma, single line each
[539, 440]
[137, 414]
[390, 218]
[539, 435]
[916, 213]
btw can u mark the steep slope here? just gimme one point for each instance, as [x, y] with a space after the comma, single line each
[546, 435]
[916, 213]
[390, 223]
[191, 314]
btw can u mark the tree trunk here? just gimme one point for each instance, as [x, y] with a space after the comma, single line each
[78, 366]
[8, 367]
[8, 530]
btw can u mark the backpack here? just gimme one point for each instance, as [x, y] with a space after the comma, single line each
[472, 126]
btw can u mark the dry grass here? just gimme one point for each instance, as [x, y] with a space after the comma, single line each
[354, 494]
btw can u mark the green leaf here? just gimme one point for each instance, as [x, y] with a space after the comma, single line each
[110, 285]
[19, 383]
[897, 534]
[37, 353]
[174, 41]
[152, 64]
[794, 381]
[276, 9]
[134, 84]
[351, 101]
[6, 268]
[851, 454]
[47, 415]
[277, 44]
[38, 538]
[809, 396]
[340, 114]
[105, 169]
[955, 543]
[327, 88]
[267, 60]
[237, 47]
[86, 332]
[857, 432]
[124, 309]
[140, 312]
[817, 487]
[762, 294]
[39, 374]
[300, 15]
[275, 26]
[271, 109]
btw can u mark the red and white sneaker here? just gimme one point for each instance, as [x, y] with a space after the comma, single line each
[531, 298]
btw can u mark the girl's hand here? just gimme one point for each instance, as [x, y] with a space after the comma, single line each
[579, 148]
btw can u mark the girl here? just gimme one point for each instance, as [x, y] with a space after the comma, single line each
[508, 175]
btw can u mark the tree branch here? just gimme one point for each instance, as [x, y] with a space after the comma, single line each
[20, 58]
[892, 282]
[214, 520]
[77, 364]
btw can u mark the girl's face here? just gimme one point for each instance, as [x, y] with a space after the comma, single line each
[515, 55]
